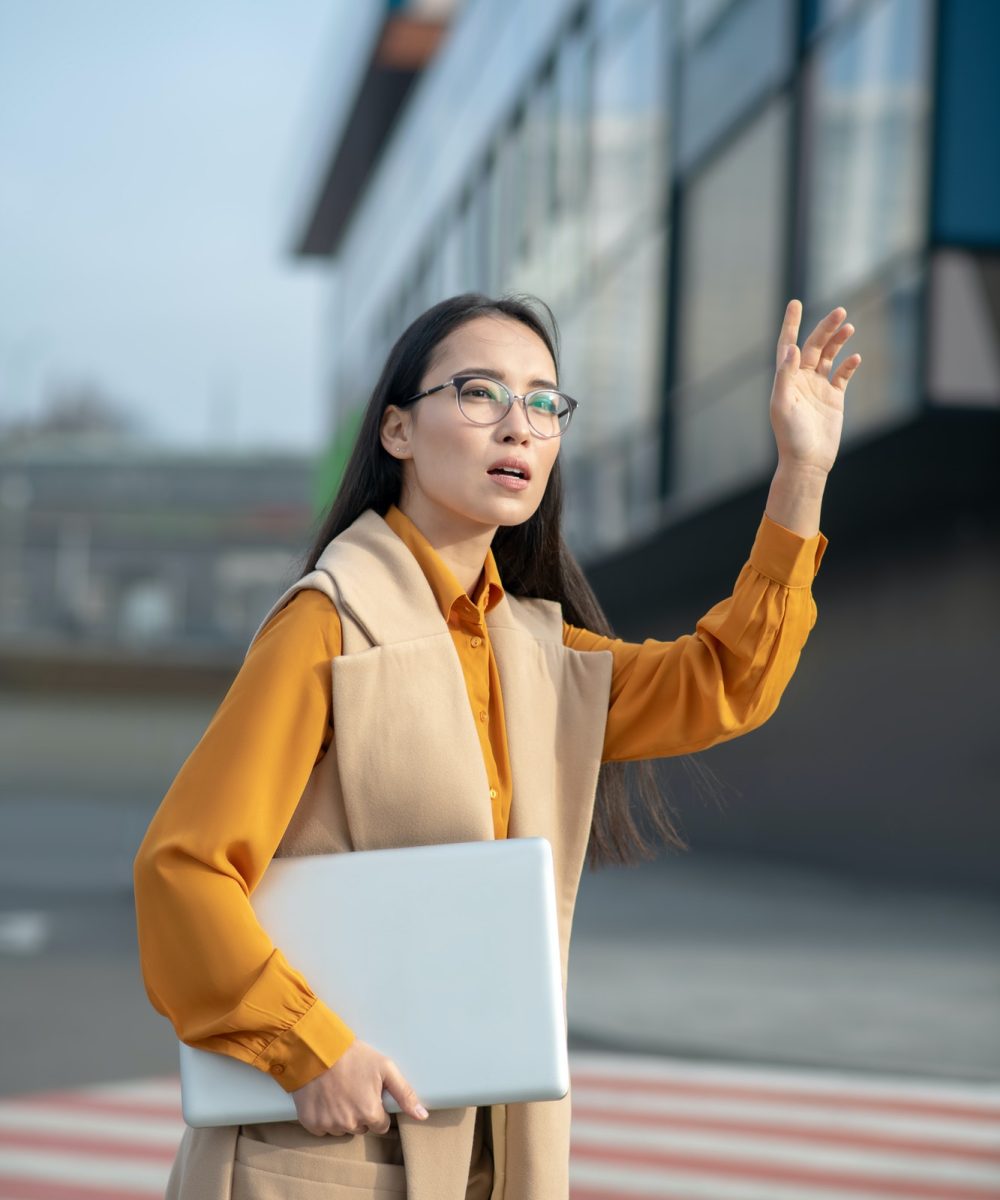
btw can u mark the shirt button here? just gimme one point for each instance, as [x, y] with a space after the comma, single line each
[477, 641]
[493, 793]
[277, 1069]
[482, 716]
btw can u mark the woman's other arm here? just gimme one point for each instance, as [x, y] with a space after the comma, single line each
[207, 964]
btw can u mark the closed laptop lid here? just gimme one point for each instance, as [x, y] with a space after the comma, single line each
[445, 958]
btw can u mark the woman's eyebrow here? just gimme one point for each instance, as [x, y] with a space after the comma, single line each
[495, 374]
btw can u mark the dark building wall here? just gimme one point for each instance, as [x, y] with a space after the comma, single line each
[883, 756]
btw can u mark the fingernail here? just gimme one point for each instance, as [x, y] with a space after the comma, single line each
[789, 351]
[421, 1111]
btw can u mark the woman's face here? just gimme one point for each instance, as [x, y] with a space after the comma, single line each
[447, 459]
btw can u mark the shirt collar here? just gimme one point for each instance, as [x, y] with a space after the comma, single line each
[446, 588]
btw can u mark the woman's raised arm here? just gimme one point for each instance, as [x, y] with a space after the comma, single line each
[728, 676]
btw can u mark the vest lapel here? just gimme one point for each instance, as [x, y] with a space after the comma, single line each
[410, 764]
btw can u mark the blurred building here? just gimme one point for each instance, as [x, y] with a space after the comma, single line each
[667, 174]
[110, 548]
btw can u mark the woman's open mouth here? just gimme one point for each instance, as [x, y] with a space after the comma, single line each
[511, 473]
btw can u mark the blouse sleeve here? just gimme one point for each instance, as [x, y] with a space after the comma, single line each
[206, 962]
[727, 677]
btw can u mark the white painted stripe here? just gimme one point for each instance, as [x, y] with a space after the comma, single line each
[776, 1152]
[165, 1090]
[625, 1068]
[147, 1131]
[983, 1132]
[683, 1185]
[83, 1170]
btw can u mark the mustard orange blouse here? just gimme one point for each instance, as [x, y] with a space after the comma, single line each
[208, 965]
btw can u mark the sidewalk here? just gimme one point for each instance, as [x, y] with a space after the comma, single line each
[739, 961]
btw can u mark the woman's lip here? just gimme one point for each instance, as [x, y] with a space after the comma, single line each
[511, 482]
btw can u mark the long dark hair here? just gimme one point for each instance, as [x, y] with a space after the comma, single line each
[532, 558]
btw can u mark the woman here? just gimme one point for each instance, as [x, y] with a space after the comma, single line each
[443, 550]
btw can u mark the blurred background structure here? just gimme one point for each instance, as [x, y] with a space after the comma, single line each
[666, 174]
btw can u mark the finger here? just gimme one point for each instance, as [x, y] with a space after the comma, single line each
[833, 347]
[377, 1119]
[820, 336]
[845, 372]
[322, 1128]
[790, 363]
[789, 327]
[401, 1092]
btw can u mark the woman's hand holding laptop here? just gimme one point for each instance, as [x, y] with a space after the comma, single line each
[347, 1097]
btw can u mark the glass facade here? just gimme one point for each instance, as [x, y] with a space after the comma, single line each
[666, 175]
[732, 268]
[867, 112]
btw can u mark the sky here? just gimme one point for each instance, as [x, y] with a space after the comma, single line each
[152, 159]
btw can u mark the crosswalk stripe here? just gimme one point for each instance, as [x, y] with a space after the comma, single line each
[981, 1131]
[641, 1127]
[682, 1131]
[918, 1145]
[103, 1104]
[60, 1123]
[66, 1143]
[79, 1170]
[14, 1188]
[893, 1176]
[914, 1105]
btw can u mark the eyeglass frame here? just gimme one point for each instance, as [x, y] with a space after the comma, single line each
[465, 375]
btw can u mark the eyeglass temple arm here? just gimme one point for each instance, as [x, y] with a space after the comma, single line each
[429, 392]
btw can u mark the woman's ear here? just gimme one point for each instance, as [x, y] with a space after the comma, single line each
[395, 431]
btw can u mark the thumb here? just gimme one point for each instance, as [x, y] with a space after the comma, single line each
[401, 1092]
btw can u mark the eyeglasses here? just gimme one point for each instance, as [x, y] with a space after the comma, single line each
[485, 401]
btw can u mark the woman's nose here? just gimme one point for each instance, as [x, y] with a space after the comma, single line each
[514, 426]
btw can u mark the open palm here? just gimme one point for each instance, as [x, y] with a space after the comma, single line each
[807, 400]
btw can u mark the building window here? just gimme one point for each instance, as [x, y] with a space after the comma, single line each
[570, 145]
[865, 145]
[732, 250]
[615, 351]
[732, 255]
[741, 52]
[628, 127]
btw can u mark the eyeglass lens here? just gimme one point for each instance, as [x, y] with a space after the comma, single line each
[485, 401]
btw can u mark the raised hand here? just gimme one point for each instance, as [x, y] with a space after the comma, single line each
[807, 400]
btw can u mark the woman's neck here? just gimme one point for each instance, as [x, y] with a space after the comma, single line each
[461, 544]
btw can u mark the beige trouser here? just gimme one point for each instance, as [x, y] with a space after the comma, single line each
[283, 1161]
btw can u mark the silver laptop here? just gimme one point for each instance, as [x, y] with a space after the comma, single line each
[445, 958]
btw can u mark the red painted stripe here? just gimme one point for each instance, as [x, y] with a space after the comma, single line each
[918, 1144]
[81, 1101]
[43, 1189]
[66, 1143]
[746, 1169]
[588, 1193]
[846, 1100]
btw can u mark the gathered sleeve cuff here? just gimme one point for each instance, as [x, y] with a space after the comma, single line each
[785, 556]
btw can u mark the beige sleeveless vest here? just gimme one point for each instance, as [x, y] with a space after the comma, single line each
[405, 768]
